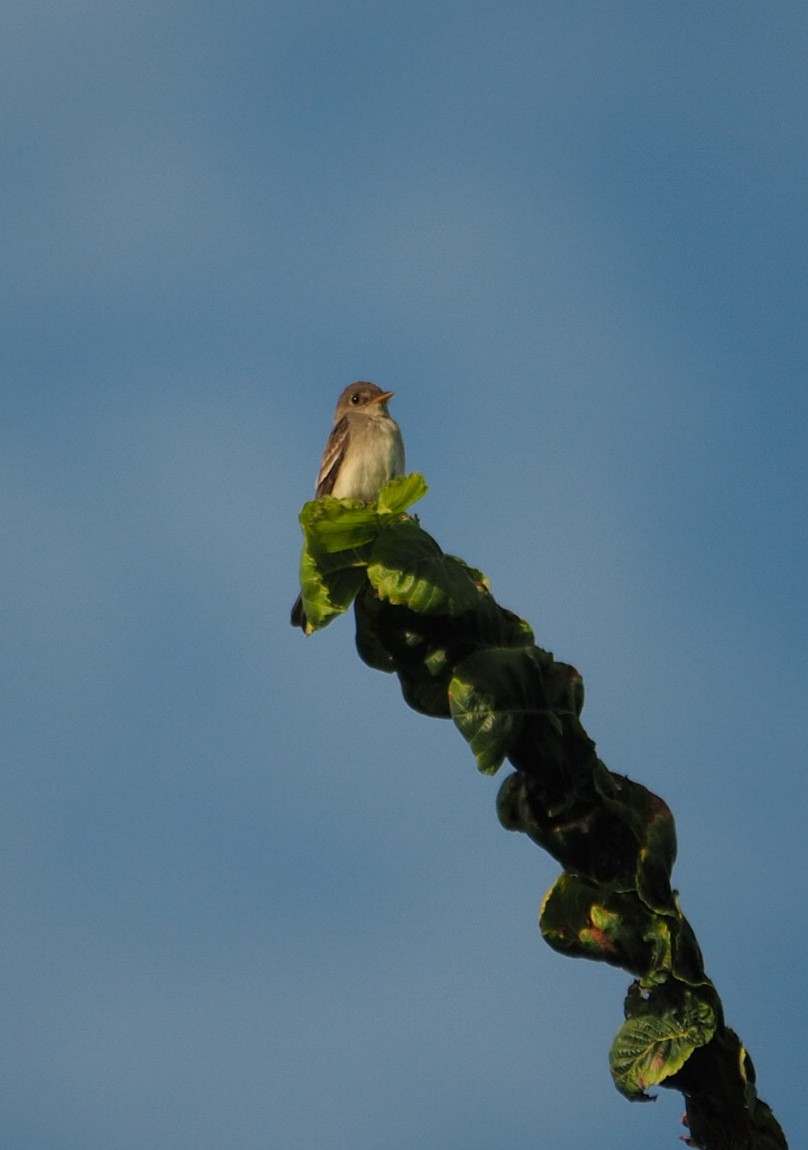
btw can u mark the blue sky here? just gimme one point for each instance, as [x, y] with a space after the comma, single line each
[250, 899]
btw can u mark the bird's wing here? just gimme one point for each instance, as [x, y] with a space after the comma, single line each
[333, 455]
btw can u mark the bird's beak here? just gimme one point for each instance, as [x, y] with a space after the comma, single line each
[385, 395]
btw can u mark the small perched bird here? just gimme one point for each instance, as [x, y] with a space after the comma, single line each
[363, 452]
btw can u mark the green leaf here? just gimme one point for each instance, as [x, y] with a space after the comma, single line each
[654, 1045]
[396, 639]
[333, 525]
[581, 919]
[337, 538]
[326, 594]
[408, 568]
[657, 856]
[400, 493]
[650, 821]
[687, 961]
[491, 694]
[574, 922]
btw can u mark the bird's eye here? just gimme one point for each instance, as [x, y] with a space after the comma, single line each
[355, 398]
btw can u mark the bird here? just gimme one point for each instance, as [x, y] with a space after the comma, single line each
[363, 452]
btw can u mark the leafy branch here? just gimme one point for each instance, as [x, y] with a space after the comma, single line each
[432, 620]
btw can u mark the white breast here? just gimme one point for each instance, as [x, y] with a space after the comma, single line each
[363, 473]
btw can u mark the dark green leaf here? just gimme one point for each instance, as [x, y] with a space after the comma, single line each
[583, 920]
[491, 694]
